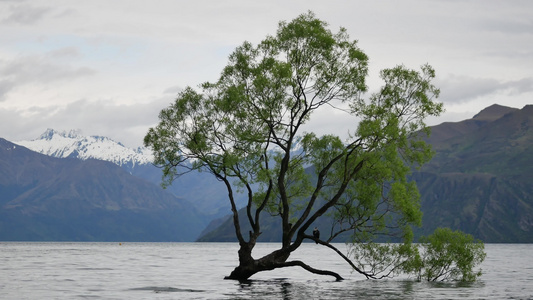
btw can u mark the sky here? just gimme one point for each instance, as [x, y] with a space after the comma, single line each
[108, 67]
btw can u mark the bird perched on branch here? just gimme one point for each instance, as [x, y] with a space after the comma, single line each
[316, 234]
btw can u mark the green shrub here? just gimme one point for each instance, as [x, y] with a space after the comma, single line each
[446, 255]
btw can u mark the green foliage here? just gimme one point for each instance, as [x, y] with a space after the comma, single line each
[382, 259]
[246, 130]
[441, 256]
[449, 255]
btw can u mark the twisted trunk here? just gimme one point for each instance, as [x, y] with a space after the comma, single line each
[249, 266]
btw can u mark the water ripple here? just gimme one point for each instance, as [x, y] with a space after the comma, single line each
[196, 271]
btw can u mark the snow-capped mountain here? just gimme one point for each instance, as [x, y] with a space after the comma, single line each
[74, 144]
[201, 189]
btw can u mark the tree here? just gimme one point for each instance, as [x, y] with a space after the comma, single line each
[247, 130]
[447, 255]
[443, 255]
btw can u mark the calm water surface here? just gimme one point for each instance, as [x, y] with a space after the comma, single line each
[196, 271]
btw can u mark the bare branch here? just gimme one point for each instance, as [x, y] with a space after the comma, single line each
[309, 268]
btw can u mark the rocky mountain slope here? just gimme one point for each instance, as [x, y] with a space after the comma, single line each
[209, 197]
[75, 145]
[47, 198]
[480, 180]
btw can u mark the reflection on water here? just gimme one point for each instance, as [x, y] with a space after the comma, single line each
[196, 271]
[166, 289]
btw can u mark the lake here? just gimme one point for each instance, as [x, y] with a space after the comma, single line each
[196, 271]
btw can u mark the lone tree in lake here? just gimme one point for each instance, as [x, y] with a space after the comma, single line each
[248, 130]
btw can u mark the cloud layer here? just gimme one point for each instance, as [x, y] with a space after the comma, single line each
[109, 67]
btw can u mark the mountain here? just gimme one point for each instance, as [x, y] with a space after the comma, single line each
[46, 198]
[480, 180]
[443, 132]
[73, 144]
[203, 191]
[500, 147]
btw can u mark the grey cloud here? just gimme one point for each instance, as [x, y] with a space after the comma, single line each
[124, 123]
[5, 87]
[36, 69]
[509, 26]
[521, 86]
[517, 54]
[173, 90]
[107, 113]
[25, 14]
[22, 124]
[66, 52]
[460, 89]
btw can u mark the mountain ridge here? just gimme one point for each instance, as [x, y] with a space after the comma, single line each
[479, 180]
[66, 199]
[73, 144]
[138, 162]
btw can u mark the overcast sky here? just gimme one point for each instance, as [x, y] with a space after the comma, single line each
[109, 67]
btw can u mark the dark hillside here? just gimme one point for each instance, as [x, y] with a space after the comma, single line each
[51, 199]
[480, 180]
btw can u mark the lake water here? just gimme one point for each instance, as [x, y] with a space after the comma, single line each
[196, 271]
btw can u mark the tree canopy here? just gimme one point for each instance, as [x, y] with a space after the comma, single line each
[247, 130]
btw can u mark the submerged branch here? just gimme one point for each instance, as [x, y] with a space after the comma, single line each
[367, 275]
[309, 268]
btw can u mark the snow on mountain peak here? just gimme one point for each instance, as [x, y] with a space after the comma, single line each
[74, 144]
[50, 133]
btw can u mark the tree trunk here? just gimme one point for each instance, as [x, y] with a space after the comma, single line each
[249, 266]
